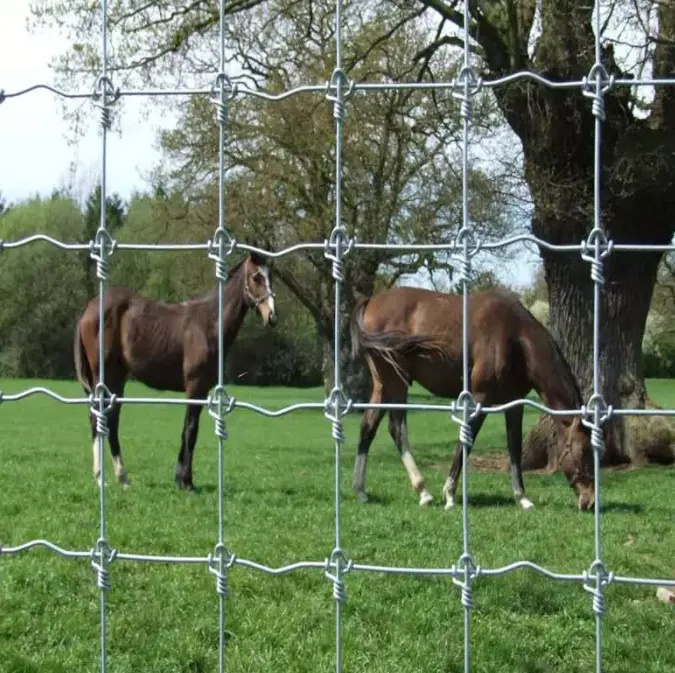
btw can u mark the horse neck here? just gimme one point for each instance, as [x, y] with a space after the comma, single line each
[234, 306]
[552, 376]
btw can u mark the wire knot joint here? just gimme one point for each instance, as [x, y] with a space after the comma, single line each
[598, 244]
[101, 249]
[344, 88]
[342, 565]
[466, 404]
[336, 246]
[219, 405]
[219, 562]
[219, 248]
[101, 557]
[596, 578]
[594, 86]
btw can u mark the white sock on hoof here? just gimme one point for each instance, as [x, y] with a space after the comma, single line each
[425, 498]
[526, 504]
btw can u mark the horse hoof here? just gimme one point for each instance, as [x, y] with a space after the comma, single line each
[426, 499]
[526, 504]
[449, 503]
[362, 496]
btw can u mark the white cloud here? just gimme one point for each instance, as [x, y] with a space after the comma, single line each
[34, 154]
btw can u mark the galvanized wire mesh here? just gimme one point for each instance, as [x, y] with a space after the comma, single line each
[338, 91]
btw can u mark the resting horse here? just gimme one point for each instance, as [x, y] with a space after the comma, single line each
[167, 347]
[412, 334]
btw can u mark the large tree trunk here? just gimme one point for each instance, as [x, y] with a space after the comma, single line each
[624, 303]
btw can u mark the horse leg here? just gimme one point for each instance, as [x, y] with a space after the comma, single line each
[450, 487]
[398, 429]
[369, 425]
[188, 442]
[115, 449]
[514, 439]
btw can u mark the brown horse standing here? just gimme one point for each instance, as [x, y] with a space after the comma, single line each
[411, 334]
[167, 347]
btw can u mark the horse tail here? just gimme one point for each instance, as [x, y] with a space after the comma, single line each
[356, 324]
[392, 345]
[82, 367]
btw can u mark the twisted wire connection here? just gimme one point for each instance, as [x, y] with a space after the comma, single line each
[465, 87]
[219, 405]
[101, 249]
[338, 243]
[342, 565]
[469, 571]
[466, 403]
[223, 91]
[594, 86]
[102, 555]
[105, 95]
[219, 563]
[343, 87]
[336, 406]
[595, 581]
[219, 248]
[470, 247]
[594, 415]
[601, 247]
[100, 402]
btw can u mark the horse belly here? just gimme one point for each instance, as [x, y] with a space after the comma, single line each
[443, 379]
[161, 372]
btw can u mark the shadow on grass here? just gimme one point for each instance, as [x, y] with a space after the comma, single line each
[621, 507]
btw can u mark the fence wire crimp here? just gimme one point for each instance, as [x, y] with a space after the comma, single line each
[101, 249]
[469, 571]
[342, 565]
[219, 248]
[468, 245]
[222, 92]
[596, 579]
[220, 404]
[594, 415]
[101, 402]
[105, 94]
[102, 555]
[341, 245]
[343, 87]
[464, 87]
[219, 562]
[336, 406]
[466, 404]
[594, 86]
[599, 245]
[2, 96]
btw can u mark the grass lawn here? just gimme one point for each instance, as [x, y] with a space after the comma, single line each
[280, 509]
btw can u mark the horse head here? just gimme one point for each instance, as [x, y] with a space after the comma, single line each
[576, 462]
[258, 287]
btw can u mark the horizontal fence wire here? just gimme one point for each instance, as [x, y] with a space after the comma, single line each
[338, 90]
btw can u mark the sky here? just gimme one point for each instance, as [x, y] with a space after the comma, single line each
[35, 156]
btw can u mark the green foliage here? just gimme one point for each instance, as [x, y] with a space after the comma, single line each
[279, 509]
[42, 290]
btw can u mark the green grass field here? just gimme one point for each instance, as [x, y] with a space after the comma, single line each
[280, 509]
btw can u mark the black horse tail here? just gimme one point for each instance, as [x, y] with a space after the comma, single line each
[82, 368]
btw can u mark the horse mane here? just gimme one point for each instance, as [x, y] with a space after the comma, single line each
[212, 294]
[557, 353]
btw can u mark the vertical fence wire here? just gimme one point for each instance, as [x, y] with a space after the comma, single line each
[220, 247]
[466, 83]
[597, 84]
[336, 407]
[102, 401]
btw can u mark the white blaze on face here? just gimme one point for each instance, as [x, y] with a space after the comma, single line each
[264, 270]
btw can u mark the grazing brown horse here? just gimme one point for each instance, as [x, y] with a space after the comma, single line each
[411, 334]
[167, 347]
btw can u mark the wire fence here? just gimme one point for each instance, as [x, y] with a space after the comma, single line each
[337, 91]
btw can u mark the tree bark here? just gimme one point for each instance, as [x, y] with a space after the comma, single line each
[624, 302]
